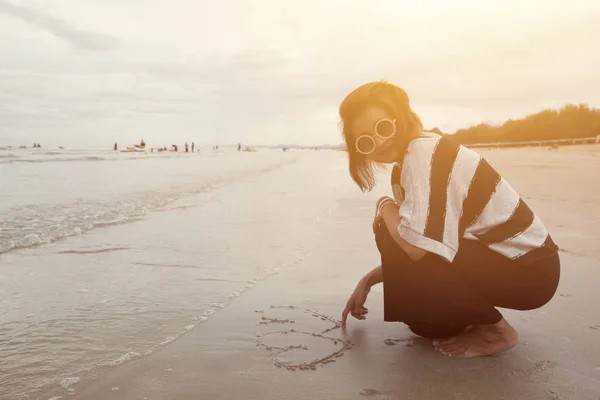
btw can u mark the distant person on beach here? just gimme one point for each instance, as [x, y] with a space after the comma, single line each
[116, 147]
[187, 147]
[193, 145]
[456, 241]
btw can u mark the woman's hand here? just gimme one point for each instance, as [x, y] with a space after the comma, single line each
[388, 212]
[378, 217]
[376, 221]
[356, 303]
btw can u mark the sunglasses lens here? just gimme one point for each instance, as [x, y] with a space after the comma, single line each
[365, 144]
[385, 129]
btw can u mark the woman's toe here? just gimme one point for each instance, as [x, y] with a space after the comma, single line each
[448, 341]
[454, 348]
[444, 351]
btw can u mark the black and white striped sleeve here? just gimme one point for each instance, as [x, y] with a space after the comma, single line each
[436, 179]
[451, 192]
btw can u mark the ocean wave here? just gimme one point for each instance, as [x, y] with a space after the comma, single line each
[35, 225]
[125, 358]
[96, 251]
[18, 159]
[167, 265]
[63, 157]
[69, 381]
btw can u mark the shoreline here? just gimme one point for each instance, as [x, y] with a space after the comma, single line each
[582, 148]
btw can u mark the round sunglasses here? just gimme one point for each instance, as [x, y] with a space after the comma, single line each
[384, 128]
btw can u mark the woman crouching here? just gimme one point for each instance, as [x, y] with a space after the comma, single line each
[456, 241]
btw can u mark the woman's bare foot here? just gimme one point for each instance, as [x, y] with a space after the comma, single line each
[480, 340]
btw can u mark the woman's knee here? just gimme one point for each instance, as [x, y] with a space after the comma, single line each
[547, 290]
[538, 299]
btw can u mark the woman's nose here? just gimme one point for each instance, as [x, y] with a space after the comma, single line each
[379, 141]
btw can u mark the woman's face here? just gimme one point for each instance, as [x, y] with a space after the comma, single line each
[383, 146]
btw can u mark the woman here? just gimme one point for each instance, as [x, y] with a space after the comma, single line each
[456, 241]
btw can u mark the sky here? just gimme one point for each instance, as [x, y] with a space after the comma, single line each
[88, 73]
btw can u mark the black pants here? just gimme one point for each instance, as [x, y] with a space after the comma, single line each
[438, 299]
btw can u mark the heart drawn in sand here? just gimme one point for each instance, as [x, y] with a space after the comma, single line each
[298, 338]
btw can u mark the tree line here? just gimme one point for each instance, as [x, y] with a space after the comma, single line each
[569, 122]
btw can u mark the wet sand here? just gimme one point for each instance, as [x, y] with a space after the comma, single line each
[282, 339]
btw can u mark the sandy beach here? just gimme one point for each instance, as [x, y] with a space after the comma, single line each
[281, 340]
[178, 218]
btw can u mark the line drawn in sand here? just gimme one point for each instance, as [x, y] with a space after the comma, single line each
[376, 393]
[538, 367]
[409, 342]
[292, 337]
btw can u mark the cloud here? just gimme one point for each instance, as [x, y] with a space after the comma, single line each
[253, 71]
[59, 28]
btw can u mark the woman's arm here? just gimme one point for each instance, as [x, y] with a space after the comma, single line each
[356, 302]
[391, 217]
[372, 278]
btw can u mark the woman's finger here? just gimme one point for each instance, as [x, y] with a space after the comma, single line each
[344, 316]
[358, 316]
[345, 313]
